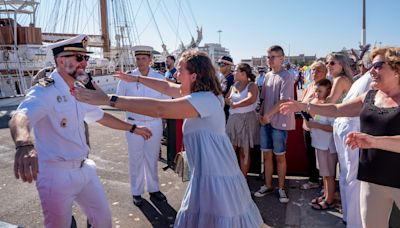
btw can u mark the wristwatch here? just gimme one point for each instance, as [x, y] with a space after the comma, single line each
[133, 128]
[113, 100]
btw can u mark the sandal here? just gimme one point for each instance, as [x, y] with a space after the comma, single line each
[322, 206]
[317, 199]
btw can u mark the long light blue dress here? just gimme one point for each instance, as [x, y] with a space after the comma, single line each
[217, 194]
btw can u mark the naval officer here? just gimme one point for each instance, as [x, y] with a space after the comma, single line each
[58, 159]
[143, 154]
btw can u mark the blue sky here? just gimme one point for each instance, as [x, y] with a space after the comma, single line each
[248, 27]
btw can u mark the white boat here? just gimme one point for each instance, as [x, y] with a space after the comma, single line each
[22, 54]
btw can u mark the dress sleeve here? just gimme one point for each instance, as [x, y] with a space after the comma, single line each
[34, 106]
[204, 103]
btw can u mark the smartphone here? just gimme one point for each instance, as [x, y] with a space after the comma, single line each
[89, 85]
[306, 115]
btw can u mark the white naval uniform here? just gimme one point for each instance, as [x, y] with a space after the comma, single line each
[57, 120]
[143, 154]
[348, 158]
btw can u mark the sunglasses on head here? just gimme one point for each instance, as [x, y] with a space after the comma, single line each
[78, 57]
[377, 65]
[331, 63]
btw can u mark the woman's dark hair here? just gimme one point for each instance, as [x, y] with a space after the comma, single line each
[244, 67]
[199, 63]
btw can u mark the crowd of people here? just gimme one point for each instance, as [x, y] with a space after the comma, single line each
[350, 118]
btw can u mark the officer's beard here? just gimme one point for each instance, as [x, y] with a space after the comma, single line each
[71, 70]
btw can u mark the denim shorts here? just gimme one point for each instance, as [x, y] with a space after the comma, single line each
[272, 139]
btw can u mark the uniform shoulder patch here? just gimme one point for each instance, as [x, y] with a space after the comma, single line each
[46, 81]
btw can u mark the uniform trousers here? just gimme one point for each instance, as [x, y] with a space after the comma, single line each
[61, 183]
[143, 157]
[348, 162]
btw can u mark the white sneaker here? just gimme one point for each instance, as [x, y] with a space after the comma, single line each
[263, 191]
[282, 196]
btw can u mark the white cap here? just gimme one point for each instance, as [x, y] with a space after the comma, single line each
[142, 50]
[75, 44]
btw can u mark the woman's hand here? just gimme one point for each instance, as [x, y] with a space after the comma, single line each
[94, 97]
[143, 131]
[125, 77]
[360, 140]
[290, 107]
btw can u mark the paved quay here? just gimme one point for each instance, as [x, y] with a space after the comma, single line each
[20, 203]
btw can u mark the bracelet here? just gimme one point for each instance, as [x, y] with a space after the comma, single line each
[26, 145]
[133, 128]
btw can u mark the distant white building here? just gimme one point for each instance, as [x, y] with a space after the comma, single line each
[215, 51]
[248, 61]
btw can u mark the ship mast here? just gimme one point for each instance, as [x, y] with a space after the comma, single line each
[104, 29]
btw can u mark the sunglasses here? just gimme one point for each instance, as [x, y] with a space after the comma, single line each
[330, 63]
[377, 65]
[221, 64]
[78, 57]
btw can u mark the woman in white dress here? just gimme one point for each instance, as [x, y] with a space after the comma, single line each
[217, 195]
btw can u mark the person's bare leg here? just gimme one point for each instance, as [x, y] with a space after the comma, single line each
[281, 164]
[244, 161]
[330, 189]
[268, 168]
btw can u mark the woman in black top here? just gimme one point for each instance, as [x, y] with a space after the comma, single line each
[379, 111]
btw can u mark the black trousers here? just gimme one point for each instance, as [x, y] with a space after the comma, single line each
[313, 172]
[171, 142]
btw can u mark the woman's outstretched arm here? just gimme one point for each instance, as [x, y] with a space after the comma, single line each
[168, 88]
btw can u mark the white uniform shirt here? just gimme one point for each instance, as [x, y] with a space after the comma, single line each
[57, 121]
[139, 90]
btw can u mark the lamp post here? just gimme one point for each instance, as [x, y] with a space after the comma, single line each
[363, 30]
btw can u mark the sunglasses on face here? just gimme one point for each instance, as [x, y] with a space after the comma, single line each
[78, 57]
[221, 64]
[330, 63]
[377, 65]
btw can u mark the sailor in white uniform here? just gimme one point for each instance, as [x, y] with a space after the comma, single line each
[58, 159]
[143, 155]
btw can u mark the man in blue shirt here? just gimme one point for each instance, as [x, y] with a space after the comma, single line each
[171, 70]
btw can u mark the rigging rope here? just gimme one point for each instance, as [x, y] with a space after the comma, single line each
[152, 14]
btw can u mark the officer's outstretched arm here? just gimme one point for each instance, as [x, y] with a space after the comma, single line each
[26, 162]
[111, 121]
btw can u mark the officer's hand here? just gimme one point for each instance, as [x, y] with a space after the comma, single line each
[143, 131]
[26, 164]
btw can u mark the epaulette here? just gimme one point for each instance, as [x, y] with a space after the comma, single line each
[46, 81]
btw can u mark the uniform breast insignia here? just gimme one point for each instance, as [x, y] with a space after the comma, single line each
[45, 82]
[63, 123]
